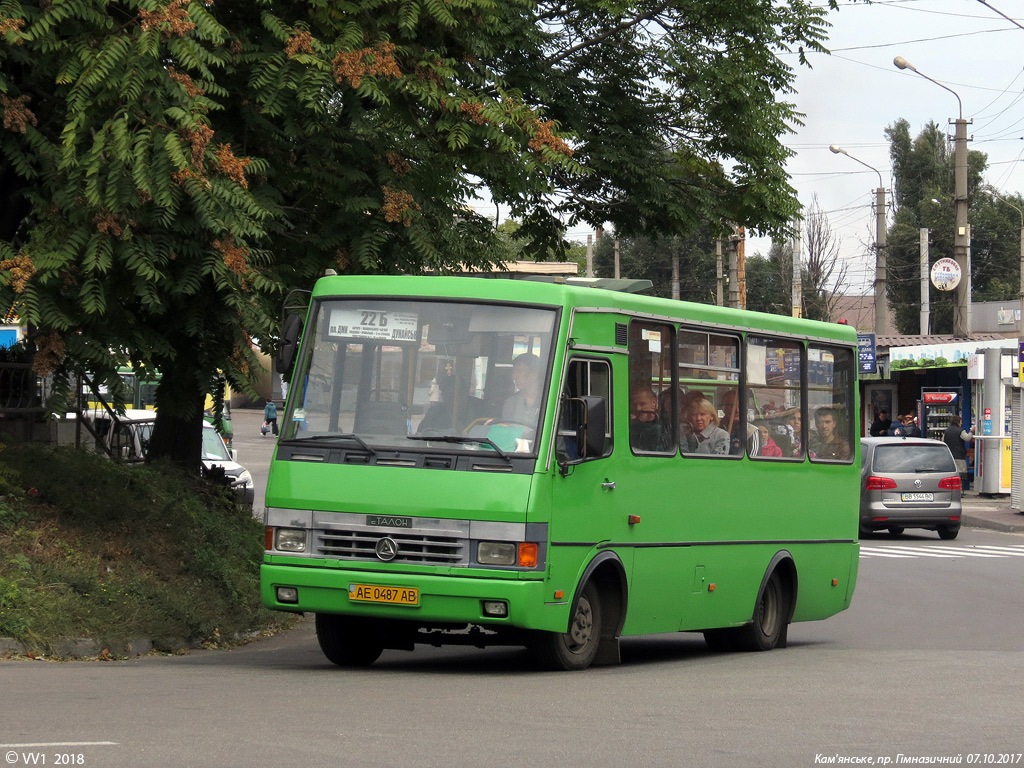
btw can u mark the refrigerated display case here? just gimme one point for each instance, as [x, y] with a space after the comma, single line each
[936, 408]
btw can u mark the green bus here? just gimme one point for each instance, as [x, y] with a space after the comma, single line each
[514, 462]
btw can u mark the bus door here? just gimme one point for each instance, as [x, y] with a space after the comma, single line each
[585, 510]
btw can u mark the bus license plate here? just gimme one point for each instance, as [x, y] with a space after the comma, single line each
[916, 497]
[371, 593]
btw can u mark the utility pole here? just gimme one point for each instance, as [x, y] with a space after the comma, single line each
[590, 256]
[925, 287]
[798, 274]
[719, 277]
[675, 276]
[962, 241]
[734, 279]
[616, 258]
[741, 265]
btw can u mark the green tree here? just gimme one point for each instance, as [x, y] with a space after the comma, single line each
[170, 169]
[648, 258]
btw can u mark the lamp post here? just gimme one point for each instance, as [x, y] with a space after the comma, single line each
[961, 234]
[1021, 293]
[881, 305]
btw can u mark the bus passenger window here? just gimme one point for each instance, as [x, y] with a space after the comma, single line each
[830, 381]
[651, 423]
[710, 422]
[774, 406]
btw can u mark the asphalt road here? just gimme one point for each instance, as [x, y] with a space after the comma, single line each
[926, 663]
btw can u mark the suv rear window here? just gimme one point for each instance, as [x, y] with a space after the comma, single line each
[897, 459]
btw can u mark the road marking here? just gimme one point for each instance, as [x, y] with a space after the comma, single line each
[941, 551]
[62, 744]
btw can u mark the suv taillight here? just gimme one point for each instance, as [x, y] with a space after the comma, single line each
[879, 483]
[950, 483]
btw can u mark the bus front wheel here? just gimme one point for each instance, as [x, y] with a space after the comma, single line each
[577, 648]
[346, 641]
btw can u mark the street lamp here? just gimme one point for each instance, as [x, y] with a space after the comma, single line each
[881, 306]
[999, 197]
[961, 233]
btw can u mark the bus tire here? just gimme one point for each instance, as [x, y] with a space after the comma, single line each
[577, 648]
[347, 642]
[767, 629]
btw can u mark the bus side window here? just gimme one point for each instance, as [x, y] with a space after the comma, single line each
[651, 426]
[709, 415]
[587, 387]
[774, 399]
[831, 373]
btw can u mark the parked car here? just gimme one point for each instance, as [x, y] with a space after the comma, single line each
[909, 482]
[217, 454]
[127, 439]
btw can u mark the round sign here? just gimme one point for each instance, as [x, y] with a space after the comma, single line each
[945, 274]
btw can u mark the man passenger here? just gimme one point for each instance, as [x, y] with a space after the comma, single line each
[646, 432]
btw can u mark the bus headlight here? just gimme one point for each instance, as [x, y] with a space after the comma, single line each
[496, 553]
[290, 540]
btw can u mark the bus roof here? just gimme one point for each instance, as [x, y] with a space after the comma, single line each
[575, 297]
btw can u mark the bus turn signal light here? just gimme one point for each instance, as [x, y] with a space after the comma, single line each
[528, 554]
[634, 519]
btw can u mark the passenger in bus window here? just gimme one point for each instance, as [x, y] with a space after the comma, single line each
[646, 430]
[524, 404]
[730, 421]
[704, 436]
[768, 446]
[829, 445]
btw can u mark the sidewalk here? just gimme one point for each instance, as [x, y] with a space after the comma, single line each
[992, 512]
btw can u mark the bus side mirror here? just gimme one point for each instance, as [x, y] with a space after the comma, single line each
[290, 332]
[582, 430]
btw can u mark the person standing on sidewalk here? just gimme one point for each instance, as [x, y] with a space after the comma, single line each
[270, 415]
[956, 437]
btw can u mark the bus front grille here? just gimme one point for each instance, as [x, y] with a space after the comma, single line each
[412, 548]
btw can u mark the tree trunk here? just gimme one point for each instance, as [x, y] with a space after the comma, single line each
[178, 431]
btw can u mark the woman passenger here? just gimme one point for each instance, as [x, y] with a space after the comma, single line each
[704, 436]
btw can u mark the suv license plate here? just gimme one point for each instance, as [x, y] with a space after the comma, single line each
[371, 593]
[916, 497]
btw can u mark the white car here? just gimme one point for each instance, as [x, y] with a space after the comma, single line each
[128, 440]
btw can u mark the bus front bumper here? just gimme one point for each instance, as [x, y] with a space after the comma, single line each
[440, 599]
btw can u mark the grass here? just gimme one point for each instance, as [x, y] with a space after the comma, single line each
[100, 550]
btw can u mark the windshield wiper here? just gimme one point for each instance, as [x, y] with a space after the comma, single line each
[463, 439]
[343, 436]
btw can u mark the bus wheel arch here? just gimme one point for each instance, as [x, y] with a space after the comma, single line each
[772, 613]
[596, 618]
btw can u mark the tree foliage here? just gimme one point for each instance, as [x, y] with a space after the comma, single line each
[171, 169]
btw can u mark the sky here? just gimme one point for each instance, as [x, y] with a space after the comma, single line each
[851, 96]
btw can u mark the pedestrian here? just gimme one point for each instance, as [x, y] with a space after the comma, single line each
[910, 428]
[880, 426]
[269, 417]
[956, 437]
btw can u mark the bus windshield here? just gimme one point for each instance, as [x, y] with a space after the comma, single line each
[412, 374]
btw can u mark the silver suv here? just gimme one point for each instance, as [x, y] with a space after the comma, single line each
[908, 482]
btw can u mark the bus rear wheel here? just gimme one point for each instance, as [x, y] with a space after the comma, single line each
[577, 648]
[348, 641]
[767, 629]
